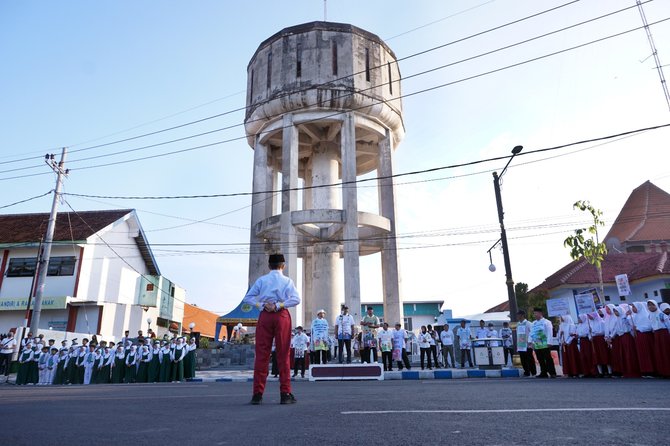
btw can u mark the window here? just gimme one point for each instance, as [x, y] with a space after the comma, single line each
[367, 64]
[269, 79]
[607, 298]
[334, 61]
[298, 59]
[25, 267]
[646, 295]
[150, 286]
[61, 266]
[622, 298]
[388, 64]
[22, 267]
[251, 87]
[171, 291]
[407, 323]
[655, 293]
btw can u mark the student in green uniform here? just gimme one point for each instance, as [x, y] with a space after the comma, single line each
[72, 369]
[119, 365]
[25, 359]
[131, 364]
[165, 369]
[177, 357]
[59, 376]
[192, 358]
[104, 369]
[33, 367]
[144, 358]
[155, 364]
[81, 367]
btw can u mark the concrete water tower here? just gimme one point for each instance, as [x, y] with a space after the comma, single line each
[323, 107]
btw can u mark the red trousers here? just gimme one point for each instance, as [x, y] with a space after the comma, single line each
[271, 326]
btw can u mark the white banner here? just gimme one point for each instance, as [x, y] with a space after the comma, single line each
[558, 307]
[622, 284]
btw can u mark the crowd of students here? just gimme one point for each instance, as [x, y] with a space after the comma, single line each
[138, 360]
[618, 340]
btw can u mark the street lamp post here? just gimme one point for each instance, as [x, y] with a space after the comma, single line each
[503, 237]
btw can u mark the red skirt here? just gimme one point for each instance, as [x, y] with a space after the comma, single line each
[615, 356]
[644, 342]
[629, 362]
[661, 352]
[571, 365]
[601, 351]
[587, 357]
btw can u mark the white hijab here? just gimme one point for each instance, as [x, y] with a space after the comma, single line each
[656, 317]
[567, 328]
[583, 327]
[641, 317]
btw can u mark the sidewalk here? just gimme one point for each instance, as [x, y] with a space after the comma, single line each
[219, 375]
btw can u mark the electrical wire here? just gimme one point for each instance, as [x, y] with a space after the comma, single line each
[377, 178]
[381, 66]
[346, 94]
[27, 199]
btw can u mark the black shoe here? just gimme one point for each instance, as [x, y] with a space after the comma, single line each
[257, 399]
[287, 398]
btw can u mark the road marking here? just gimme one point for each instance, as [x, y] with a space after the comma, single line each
[483, 411]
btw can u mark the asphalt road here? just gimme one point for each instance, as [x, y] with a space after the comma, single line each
[463, 412]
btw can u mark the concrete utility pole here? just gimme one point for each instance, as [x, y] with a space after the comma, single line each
[45, 254]
[511, 295]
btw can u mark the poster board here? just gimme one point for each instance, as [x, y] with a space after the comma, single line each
[559, 306]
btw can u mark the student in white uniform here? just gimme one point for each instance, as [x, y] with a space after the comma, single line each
[300, 344]
[319, 338]
[385, 338]
[52, 365]
[399, 347]
[344, 331]
[447, 340]
[481, 333]
[424, 347]
[464, 343]
[42, 366]
[88, 364]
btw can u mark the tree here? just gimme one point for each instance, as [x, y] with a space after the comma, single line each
[590, 248]
[528, 300]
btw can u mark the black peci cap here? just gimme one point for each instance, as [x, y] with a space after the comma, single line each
[276, 259]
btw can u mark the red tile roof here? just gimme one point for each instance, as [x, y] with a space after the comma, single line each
[27, 228]
[636, 265]
[205, 321]
[504, 306]
[644, 217]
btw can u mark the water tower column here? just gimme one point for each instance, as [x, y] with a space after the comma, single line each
[393, 311]
[289, 199]
[352, 278]
[258, 259]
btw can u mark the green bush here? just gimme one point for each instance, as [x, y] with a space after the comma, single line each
[204, 343]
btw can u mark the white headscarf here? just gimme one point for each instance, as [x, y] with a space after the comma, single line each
[610, 321]
[597, 324]
[583, 327]
[567, 329]
[641, 317]
[656, 317]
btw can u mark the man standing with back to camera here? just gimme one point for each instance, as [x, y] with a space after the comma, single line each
[273, 293]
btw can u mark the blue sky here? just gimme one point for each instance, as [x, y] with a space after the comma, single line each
[79, 73]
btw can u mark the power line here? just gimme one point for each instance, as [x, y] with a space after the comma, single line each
[463, 39]
[426, 90]
[363, 180]
[307, 106]
[27, 199]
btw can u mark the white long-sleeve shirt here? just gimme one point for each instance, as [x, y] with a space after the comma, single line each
[273, 288]
[447, 337]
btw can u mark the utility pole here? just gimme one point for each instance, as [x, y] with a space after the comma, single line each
[511, 295]
[43, 257]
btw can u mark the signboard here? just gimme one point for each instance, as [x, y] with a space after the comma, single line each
[148, 293]
[57, 325]
[622, 284]
[20, 303]
[559, 306]
[585, 303]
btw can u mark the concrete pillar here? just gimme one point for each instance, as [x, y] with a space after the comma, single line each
[327, 272]
[258, 262]
[307, 287]
[393, 311]
[352, 280]
[289, 199]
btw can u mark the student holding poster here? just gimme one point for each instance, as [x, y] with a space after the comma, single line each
[320, 343]
[523, 346]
